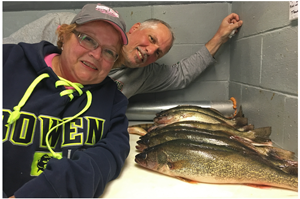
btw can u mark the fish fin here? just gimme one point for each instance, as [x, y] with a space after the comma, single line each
[137, 130]
[176, 165]
[290, 167]
[240, 121]
[239, 113]
[259, 186]
[281, 153]
[261, 142]
[246, 127]
[263, 132]
[187, 180]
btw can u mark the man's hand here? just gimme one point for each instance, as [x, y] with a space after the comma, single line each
[230, 23]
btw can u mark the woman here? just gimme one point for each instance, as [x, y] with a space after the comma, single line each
[64, 123]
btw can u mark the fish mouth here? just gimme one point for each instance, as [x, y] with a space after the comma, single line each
[158, 120]
[140, 147]
[142, 144]
[141, 159]
[89, 65]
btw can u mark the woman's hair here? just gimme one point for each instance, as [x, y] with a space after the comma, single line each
[64, 29]
[152, 23]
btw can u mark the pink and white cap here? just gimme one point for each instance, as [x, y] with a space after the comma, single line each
[92, 12]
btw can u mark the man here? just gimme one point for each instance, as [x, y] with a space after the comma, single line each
[136, 70]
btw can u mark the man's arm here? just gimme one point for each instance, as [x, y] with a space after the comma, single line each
[230, 23]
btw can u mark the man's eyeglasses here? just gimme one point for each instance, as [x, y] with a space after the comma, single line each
[90, 44]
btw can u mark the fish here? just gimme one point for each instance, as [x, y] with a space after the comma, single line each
[205, 116]
[209, 163]
[259, 135]
[222, 133]
[200, 135]
[283, 162]
[209, 111]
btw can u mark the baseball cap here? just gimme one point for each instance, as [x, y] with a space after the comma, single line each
[92, 12]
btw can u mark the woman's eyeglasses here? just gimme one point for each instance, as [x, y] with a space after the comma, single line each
[90, 44]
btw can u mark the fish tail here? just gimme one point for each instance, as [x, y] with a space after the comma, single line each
[136, 130]
[145, 126]
[240, 121]
[239, 113]
[247, 127]
[290, 167]
[281, 153]
[263, 132]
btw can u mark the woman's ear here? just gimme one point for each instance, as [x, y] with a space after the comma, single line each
[135, 27]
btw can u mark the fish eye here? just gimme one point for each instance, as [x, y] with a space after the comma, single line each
[142, 155]
[170, 165]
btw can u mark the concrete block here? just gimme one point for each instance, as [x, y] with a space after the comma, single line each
[290, 127]
[132, 15]
[245, 61]
[193, 23]
[208, 90]
[260, 17]
[265, 108]
[280, 60]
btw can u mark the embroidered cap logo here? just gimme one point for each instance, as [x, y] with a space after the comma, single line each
[107, 10]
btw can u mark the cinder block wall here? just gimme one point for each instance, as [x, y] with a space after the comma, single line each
[264, 69]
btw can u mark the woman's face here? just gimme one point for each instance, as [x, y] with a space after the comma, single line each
[88, 66]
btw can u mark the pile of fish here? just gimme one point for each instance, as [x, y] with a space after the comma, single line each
[198, 144]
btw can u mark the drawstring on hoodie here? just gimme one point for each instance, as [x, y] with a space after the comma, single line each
[14, 116]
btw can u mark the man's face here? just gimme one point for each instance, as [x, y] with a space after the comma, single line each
[146, 45]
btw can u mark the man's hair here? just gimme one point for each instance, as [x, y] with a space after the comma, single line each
[152, 23]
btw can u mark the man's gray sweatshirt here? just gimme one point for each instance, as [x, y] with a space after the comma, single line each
[131, 81]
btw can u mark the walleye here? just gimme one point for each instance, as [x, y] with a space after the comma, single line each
[209, 163]
[200, 135]
[258, 135]
[222, 133]
[283, 161]
[204, 116]
[207, 111]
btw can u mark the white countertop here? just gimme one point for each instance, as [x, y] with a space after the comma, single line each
[137, 182]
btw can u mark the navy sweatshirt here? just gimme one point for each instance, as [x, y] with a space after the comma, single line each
[93, 145]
